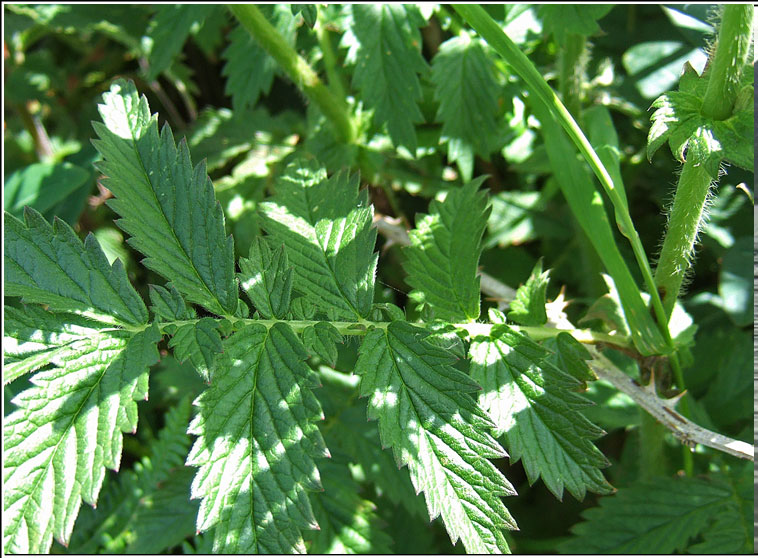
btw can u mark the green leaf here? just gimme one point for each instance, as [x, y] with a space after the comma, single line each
[442, 260]
[325, 225]
[351, 434]
[145, 510]
[66, 430]
[535, 408]
[432, 424]
[168, 304]
[267, 279]
[168, 31]
[736, 281]
[257, 444]
[732, 532]
[33, 338]
[570, 356]
[49, 265]
[42, 186]
[657, 517]
[349, 524]
[385, 46]
[249, 69]
[678, 121]
[465, 86]
[561, 19]
[320, 339]
[200, 343]
[528, 308]
[168, 207]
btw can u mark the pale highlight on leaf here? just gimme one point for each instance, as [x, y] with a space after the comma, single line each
[257, 444]
[325, 225]
[535, 409]
[167, 206]
[432, 425]
[66, 430]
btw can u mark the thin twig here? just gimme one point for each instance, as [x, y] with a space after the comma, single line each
[662, 410]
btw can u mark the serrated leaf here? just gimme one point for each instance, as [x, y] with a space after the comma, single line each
[145, 510]
[385, 46]
[33, 338]
[656, 517]
[168, 304]
[678, 120]
[200, 343]
[167, 206]
[528, 308]
[325, 225]
[267, 279]
[49, 265]
[432, 425]
[349, 524]
[442, 260]
[257, 444]
[569, 355]
[465, 86]
[66, 430]
[534, 408]
[561, 19]
[320, 339]
[249, 69]
[168, 31]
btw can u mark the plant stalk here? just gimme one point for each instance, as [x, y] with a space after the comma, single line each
[304, 77]
[732, 48]
[684, 222]
[491, 32]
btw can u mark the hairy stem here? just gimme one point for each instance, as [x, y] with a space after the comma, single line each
[728, 61]
[304, 77]
[491, 32]
[684, 222]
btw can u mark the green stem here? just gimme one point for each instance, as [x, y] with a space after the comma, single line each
[333, 107]
[685, 219]
[732, 48]
[330, 60]
[493, 34]
[538, 333]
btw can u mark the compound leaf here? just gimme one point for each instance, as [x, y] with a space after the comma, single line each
[325, 225]
[168, 304]
[384, 45]
[426, 415]
[656, 517]
[465, 86]
[257, 444]
[442, 260]
[48, 264]
[533, 406]
[528, 308]
[168, 207]
[66, 430]
[349, 524]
